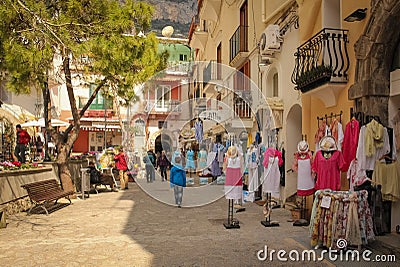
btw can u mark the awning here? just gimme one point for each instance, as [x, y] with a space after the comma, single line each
[100, 128]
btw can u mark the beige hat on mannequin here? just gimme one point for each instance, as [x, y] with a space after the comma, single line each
[302, 147]
[232, 152]
[328, 143]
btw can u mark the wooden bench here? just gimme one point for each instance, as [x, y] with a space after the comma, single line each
[43, 192]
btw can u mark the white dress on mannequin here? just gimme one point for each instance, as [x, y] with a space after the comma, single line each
[272, 176]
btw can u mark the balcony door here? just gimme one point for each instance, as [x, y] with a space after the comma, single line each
[162, 97]
[243, 27]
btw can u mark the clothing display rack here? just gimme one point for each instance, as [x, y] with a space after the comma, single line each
[231, 223]
[268, 222]
[363, 118]
[330, 117]
[338, 216]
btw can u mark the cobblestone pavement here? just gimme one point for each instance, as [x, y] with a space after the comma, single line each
[130, 228]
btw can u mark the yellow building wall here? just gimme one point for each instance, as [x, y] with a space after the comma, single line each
[310, 12]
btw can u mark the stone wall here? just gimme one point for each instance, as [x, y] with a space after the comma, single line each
[14, 198]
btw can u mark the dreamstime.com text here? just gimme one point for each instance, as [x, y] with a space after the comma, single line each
[329, 254]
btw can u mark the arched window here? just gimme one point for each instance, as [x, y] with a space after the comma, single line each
[139, 127]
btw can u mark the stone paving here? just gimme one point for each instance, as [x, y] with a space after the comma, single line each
[130, 228]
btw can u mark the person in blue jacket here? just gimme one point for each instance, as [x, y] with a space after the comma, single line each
[178, 180]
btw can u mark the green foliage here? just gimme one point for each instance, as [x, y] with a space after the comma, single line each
[32, 32]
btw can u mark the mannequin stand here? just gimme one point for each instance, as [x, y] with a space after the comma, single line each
[302, 221]
[267, 222]
[238, 207]
[231, 223]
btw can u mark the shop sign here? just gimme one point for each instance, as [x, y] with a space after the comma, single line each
[215, 115]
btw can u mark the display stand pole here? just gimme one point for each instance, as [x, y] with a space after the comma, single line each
[267, 222]
[302, 221]
[231, 223]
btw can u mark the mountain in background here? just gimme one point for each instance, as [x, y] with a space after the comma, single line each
[176, 13]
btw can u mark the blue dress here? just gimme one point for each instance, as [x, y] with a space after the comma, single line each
[190, 160]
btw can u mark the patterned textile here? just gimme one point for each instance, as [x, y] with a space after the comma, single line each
[321, 132]
[348, 217]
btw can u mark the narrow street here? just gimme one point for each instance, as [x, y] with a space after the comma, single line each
[130, 228]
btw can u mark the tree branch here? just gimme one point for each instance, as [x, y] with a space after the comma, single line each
[39, 20]
[90, 100]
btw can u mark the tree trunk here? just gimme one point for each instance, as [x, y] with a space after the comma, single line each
[65, 175]
[65, 143]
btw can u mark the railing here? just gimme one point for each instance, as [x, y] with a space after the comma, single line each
[212, 72]
[324, 58]
[179, 67]
[241, 108]
[238, 42]
[163, 106]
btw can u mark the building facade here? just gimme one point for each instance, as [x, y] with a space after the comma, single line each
[248, 48]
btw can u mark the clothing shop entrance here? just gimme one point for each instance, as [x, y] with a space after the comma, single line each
[163, 142]
[375, 91]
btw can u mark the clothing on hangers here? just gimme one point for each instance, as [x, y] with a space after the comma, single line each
[387, 175]
[376, 141]
[198, 126]
[350, 142]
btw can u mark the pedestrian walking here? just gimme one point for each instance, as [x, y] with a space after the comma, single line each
[122, 167]
[178, 180]
[150, 164]
[163, 163]
[23, 139]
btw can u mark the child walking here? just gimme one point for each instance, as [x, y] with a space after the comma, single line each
[178, 180]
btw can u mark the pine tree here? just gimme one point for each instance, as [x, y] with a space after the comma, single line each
[36, 34]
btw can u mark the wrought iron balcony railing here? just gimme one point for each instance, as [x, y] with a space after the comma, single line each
[242, 108]
[238, 42]
[322, 59]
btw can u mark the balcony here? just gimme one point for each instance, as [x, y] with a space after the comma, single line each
[322, 64]
[198, 36]
[238, 46]
[163, 106]
[241, 108]
[179, 68]
[212, 75]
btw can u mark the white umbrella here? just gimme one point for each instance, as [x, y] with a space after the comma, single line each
[33, 123]
[54, 123]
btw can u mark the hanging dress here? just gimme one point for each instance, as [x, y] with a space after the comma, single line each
[252, 167]
[198, 127]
